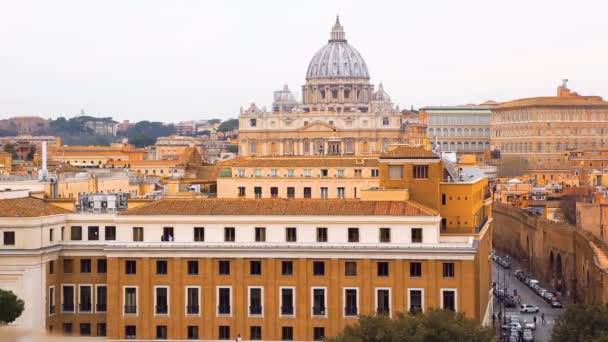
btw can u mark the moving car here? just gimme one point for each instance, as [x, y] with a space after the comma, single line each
[527, 308]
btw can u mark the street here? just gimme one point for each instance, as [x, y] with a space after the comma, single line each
[505, 278]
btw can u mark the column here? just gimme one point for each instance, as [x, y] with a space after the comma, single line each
[325, 147]
[281, 142]
[341, 148]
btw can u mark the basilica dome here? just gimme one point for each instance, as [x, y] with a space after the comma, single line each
[337, 59]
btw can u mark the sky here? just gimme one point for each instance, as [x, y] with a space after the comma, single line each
[188, 60]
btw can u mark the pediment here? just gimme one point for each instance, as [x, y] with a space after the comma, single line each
[319, 126]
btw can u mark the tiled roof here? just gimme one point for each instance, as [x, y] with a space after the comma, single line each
[563, 101]
[405, 152]
[28, 207]
[305, 162]
[276, 206]
[190, 156]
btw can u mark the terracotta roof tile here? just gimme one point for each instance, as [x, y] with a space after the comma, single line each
[276, 206]
[404, 152]
[564, 101]
[28, 207]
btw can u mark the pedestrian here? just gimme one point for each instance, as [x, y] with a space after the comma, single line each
[500, 316]
[238, 338]
[542, 318]
[534, 319]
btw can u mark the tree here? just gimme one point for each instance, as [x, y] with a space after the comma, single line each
[142, 141]
[11, 307]
[10, 148]
[228, 125]
[435, 325]
[232, 148]
[214, 121]
[582, 322]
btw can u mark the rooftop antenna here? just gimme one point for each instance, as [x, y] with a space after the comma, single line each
[565, 82]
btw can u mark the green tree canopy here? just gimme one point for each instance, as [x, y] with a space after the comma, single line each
[435, 326]
[582, 322]
[10, 148]
[11, 306]
[228, 125]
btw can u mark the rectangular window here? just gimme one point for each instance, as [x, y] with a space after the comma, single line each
[110, 233]
[415, 269]
[255, 301]
[416, 235]
[351, 302]
[260, 234]
[257, 191]
[161, 332]
[224, 332]
[102, 266]
[101, 298]
[341, 192]
[353, 234]
[318, 302]
[75, 233]
[286, 268]
[383, 301]
[85, 298]
[291, 192]
[253, 122]
[67, 328]
[130, 332]
[62, 233]
[340, 173]
[286, 333]
[321, 234]
[229, 234]
[192, 267]
[255, 267]
[161, 267]
[385, 235]
[318, 268]
[161, 303]
[350, 268]
[358, 173]
[382, 268]
[85, 265]
[385, 121]
[324, 192]
[443, 199]
[101, 329]
[395, 171]
[290, 234]
[375, 173]
[199, 234]
[416, 300]
[192, 332]
[274, 192]
[291, 173]
[448, 270]
[192, 301]
[85, 329]
[138, 233]
[241, 191]
[67, 298]
[51, 235]
[224, 301]
[318, 333]
[93, 233]
[421, 171]
[224, 267]
[307, 192]
[448, 299]
[51, 300]
[287, 301]
[255, 333]
[68, 265]
[52, 267]
[307, 172]
[444, 224]
[274, 173]
[9, 238]
[167, 234]
[130, 267]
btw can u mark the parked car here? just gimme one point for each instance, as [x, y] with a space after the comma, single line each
[513, 325]
[549, 297]
[528, 308]
[532, 282]
[509, 301]
[527, 336]
[529, 325]
[556, 304]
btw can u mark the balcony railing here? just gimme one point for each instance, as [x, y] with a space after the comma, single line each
[192, 309]
[130, 309]
[255, 309]
[223, 309]
[162, 309]
[287, 310]
[85, 307]
[67, 307]
[350, 311]
[101, 307]
[318, 310]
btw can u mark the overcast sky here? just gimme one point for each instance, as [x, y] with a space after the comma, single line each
[180, 60]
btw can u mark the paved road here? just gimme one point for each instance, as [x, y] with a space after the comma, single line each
[506, 278]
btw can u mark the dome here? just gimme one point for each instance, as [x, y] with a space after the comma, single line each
[381, 95]
[337, 58]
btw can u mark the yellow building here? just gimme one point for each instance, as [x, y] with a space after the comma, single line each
[94, 156]
[173, 146]
[6, 163]
[340, 113]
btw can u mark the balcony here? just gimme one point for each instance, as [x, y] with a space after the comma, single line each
[318, 310]
[192, 309]
[161, 309]
[351, 311]
[84, 307]
[101, 307]
[287, 310]
[67, 307]
[223, 310]
[130, 309]
[255, 310]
